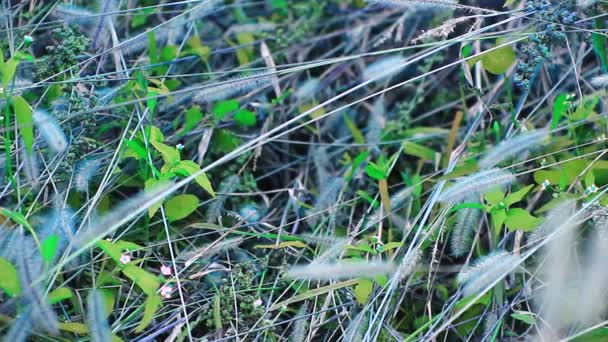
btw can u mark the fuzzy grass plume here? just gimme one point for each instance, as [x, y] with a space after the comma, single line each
[476, 184]
[512, 148]
[463, 231]
[99, 329]
[340, 270]
[485, 271]
[51, 131]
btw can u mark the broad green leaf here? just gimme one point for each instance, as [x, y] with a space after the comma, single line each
[561, 106]
[8, 70]
[147, 281]
[524, 316]
[494, 197]
[170, 154]
[109, 299]
[363, 290]
[375, 171]
[517, 196]
[225, 141]
[23, 114]
[59, 294]
[134, 150]
[416, 150]
[180, 206]
[245, 118]
[187, 168]
[115, 249]
[150, 184]
[150, 307]
[152, 100]
[192, 118]
[498, 218]
[518, 218]
[48, 247]
[499, 60]
[9, 279]
[222, 108]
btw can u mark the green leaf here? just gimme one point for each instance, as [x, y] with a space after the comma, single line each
[517, 196]
[147, 281]
[245, 118]
[498, 218]
[561, 106]
[599, 44]
[494, 197]
[9, 279]
[375, 171]
[48, 247]
[419, 151]
[524, 316]
[150, 307]
[222, 108]
[115, 249]
[152, 100]
[187, 168]
[179, 207]
[518, 218]
[8, 70]
[192, 118]
[23, 114]
[499, 60]
[170, 154]
[59, 294]
[363, 290]
[225, 141]
[150, 184]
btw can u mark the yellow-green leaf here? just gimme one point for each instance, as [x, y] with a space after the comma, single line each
[499, 60]
[75, 328]
[179, 207]
[518, 218]
[147, 281]
[363, 290]
[59, 294]
[187, 168]
[23, 114]
[9, 280]
[150, 307]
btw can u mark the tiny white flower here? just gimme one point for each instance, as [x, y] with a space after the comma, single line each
[28, 39]
[179, 146]
[546, 184]
[125, 258]
[257, 302]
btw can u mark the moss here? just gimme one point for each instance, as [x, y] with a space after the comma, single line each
[234, 292]
[63, 52]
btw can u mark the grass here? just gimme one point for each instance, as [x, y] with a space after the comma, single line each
[287, 170]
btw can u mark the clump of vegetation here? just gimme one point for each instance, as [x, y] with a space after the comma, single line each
[356, 170]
